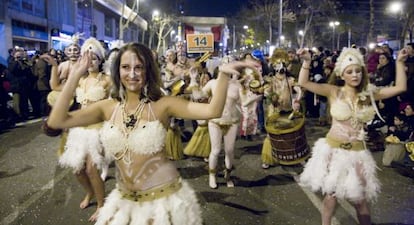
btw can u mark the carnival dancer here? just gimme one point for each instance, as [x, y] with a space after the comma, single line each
[341, 167]
[282, 87]
[249, 99]
[149, 189]
[174, 146]
[282, 98]
[167, 70]
[224, 128]
[58, 76]
[199, 144]
[83, 150]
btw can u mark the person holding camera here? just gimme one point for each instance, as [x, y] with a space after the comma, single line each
[19, 76]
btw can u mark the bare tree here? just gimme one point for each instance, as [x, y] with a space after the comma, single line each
[124, 23]
[266, 10]
[162, 27]
[311, 14]
[408, 21]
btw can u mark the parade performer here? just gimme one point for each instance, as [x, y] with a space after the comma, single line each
[249, 99]
[225, 127]
[83, 150]
[199, 144]
[174, 146]
[282, 87]
[282, 98]
[149, 189]
[341, 167]
[167, 70]
[58, 76]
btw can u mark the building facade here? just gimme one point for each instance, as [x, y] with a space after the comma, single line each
[44, 24]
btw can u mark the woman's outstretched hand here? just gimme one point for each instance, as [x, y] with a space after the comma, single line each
[236, 67]
[49, 59]
[80, 68]
[304, 54]
[402, 55]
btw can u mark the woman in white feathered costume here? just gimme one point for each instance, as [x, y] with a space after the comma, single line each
[341, 166]
[83, 150]
[149, 189]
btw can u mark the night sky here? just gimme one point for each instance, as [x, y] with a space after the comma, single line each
[212, 7]
[228, 7]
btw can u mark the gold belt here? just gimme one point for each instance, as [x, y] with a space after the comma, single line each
[153, 193]
[355, 145]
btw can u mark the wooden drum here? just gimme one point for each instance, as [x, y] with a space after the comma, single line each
[288, 139]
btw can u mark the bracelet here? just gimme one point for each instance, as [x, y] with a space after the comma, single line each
[306, 68]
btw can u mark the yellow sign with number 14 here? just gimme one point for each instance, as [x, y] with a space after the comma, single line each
[200, 43]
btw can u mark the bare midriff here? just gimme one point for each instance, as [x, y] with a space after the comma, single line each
[343, 131]
[144, 172]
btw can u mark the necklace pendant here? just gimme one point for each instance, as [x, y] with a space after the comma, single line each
[130, 121]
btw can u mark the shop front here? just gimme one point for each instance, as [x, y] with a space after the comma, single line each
[29, 39]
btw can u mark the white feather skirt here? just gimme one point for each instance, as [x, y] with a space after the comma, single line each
[179, 208]
[79, 144]
[346, 174]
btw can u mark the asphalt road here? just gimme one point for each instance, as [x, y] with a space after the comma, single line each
[35, 191]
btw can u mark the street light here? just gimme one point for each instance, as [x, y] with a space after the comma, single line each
[398, 8]
[155, 19]
[395, 7]
[281, 40]
[333, 24]
[302, 36]
[155, 15]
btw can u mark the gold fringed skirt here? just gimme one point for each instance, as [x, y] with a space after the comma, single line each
[199, 144]
[267, 157]
[173, 144]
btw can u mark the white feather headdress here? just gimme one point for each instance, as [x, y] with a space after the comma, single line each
[116, 44]
[348, 56]
[95, 46]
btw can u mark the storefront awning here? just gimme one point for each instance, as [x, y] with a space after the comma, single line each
[29, 39]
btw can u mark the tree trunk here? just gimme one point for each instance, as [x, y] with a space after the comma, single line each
[270, 31]
[370, 37]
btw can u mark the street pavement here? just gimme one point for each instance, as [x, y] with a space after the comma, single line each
[34, 190]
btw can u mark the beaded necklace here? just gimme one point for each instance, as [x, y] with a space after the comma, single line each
[353, 105]
[130, 120]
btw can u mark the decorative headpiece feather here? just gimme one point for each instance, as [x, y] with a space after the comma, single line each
[348, 56]
[116, 44]
[95, 46]
[279, 56]
[226, 59]
[76, 37]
